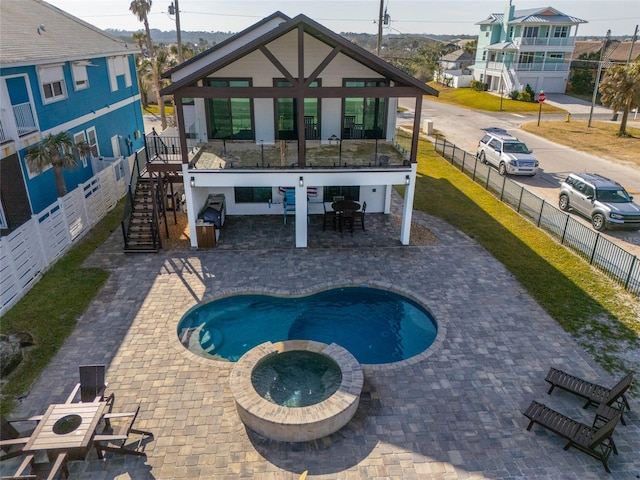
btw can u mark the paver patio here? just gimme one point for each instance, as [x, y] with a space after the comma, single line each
[456, 413]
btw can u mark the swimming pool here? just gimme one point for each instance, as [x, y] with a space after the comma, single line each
[376, 326]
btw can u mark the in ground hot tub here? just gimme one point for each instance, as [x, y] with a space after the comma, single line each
[305, 390]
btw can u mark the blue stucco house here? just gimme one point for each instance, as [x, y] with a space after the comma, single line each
[58, 73]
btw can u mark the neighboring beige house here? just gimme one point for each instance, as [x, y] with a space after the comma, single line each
[615, 51]
[289, 105]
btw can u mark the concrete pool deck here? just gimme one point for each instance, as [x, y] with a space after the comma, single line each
[455, 413]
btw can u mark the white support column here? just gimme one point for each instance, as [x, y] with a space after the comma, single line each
[407, 206]
[301, 214]
[191, 208]
[387, 199]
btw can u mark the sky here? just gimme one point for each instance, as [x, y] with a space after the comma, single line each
[454, 17]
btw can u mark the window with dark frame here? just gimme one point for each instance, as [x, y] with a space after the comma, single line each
[348, 192]
[253, 194]
[230, 118]
[364, 117]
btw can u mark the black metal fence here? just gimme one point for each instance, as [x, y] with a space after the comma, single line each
[600, 252]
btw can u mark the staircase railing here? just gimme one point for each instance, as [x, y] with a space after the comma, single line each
[138, 170]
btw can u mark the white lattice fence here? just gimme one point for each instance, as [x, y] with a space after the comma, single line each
[32, 248]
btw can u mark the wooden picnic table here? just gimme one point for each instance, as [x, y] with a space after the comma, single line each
[76, 441]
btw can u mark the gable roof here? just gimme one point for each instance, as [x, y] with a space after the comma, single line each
[34, 32]
[226, 44]
[310, 27]
[458, 56]
[616, 51]
[545, 15]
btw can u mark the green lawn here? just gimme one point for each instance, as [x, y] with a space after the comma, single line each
[50, 310]
[580, 298]
[469, 98]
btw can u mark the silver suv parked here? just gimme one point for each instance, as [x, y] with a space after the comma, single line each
[604, 201]
[506, 153]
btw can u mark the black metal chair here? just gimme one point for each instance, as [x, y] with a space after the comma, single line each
[358, 216]
[329, 217]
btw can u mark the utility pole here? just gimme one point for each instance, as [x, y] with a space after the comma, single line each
[595, 87]
[175, 9]
[633, 41]
[380, 26]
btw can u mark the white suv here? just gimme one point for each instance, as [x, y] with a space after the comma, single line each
[506, 153]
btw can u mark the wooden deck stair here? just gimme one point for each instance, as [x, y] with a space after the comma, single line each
[143, 235]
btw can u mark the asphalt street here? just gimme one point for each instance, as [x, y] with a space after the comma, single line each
[464, 128]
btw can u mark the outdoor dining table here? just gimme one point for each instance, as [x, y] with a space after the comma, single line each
[342, 206]
[66, 428]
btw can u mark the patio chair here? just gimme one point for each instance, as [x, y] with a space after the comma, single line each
[358, 216]
[289, 204]
[114, 437]
[13, 441]
[595, 394]
[596, 442]
[41, 470]
[92, 385]
[329, 217]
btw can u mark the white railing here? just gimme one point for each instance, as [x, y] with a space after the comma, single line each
[551, 41]
[3, 136]
[542, 67]
[25, 121]
[27, 252]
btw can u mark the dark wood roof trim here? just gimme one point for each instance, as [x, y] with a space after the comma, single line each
[267, 53]
[316, 30]
[307, 92]
[337, 49]
[227, 41]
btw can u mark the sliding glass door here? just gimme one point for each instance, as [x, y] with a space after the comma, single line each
[286, 111]
[230, 118]
[364, 117]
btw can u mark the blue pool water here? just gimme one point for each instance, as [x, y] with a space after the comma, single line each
[376, 326]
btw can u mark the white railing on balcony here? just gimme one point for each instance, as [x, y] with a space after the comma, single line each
[3, 136]
[550, 41]
[25, 121]
[542, 67]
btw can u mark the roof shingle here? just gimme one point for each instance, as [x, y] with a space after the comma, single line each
[34, 32]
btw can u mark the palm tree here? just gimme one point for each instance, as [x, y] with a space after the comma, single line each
[57, 151]
[620, 90]
[141, 9]
[161, 62]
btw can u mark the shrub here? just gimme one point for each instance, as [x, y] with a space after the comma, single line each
[524, 96]
[532, 94]
[514, 95]
[479, 86]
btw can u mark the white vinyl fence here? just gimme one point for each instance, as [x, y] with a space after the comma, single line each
[32, 248]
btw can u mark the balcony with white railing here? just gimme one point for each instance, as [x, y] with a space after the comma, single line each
[546, 41]
[4, 137]
[542, 67]
[25, 120]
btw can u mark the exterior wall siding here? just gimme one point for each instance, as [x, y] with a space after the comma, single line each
[111, 113]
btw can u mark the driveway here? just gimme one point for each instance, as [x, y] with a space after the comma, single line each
[453, 413]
